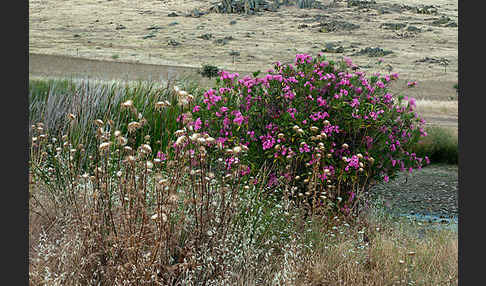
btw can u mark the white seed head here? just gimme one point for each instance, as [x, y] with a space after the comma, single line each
[146, 149]
[99, 122]
[194, 136]
[201, 140]
[180, 132]
[133, 126]
[127, 104]
[149, 165]
[180, 140]
[104, 146]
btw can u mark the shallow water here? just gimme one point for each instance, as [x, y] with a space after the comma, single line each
[434, 221]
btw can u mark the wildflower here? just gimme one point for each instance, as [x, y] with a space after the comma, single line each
[386, 178]
[161, 156]
[197, 124]
[411, 83]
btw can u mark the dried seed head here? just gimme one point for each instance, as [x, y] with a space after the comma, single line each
[122, 140]
[117, 133]
[281, 135]
[99, 122]
[210, 140]
[194, 136]
[201, 140]
[326, 122]
[133, 126]
[159, 105]
[180, 140]
[71, 116]
[180, 132]
[146, 149]
[359, 155]
[147, 137]
[182, 93]
[345, 146]
[127, 104]
[131, 158]
[149, 165]
[237, 149]
[104, 146]
[314, 128]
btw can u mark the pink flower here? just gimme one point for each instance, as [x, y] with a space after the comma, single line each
[411, 83]
[197, 124]
[161, 156]
[196, 108]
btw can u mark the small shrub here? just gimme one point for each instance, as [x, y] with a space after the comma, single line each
[329, 133]
[209, 71]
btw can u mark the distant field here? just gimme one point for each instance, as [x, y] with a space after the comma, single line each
[143, 32]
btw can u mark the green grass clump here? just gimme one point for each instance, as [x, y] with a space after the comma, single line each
[51, 100]
[440, 145]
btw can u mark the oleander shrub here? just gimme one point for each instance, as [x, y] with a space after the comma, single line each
[329, 131]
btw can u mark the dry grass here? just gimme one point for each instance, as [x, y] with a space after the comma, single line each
[261, 40]
[394, 257]
[438, 107]
[127, 218]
